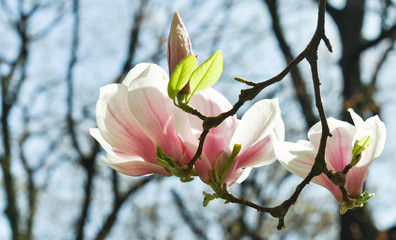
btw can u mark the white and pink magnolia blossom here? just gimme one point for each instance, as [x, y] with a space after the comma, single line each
[137, 116]
[259, 127]
[299, 157]
[179, 44]
[134, 118]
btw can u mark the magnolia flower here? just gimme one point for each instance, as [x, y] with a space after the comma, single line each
[259, 127]
[179, 44]
[299, 157]
[134, 118]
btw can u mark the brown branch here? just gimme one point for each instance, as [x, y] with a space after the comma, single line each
[188, 219]
[382, 60]
[134, 37]
[32, 194]
[9, 185]
[385, 34]
[69, 78]
[86, 162]
[296, 76]
[10, 87]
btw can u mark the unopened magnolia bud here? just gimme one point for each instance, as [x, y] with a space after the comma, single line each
[179, 44]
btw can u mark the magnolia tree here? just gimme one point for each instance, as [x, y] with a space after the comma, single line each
[177, 125]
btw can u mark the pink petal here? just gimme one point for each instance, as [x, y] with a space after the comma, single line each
[315, 132]
[202, 165]
[153, 111]
[355, 179]
[260, 154]
[339, 148]
[212, 103]
[239, 175]
[117, 125]
[324, 181]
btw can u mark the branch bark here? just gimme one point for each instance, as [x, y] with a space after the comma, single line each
[299, 85]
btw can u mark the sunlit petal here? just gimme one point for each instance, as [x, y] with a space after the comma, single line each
[260, 154]
[118, 126]
[153, 112]
[297, 158]
[257, 123]
[374, 128]
[133, 167]
[339, 148]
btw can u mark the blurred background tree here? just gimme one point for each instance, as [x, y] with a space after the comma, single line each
[56, 54]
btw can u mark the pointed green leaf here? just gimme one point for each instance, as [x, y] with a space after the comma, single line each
[361, 145]
[217, 168]
[181, 74]
[363, 198]
[236, 149]
[207, 74]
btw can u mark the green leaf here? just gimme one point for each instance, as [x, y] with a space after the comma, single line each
[181, 74]
[353, 203]
[207, 74]
[361, 145]
[217, 168]
[208, 197]
[363, 198]
[230, 160]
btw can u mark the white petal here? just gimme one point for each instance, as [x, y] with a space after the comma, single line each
[95, 133]
[133, 167]
[297, 158]
[257, 123]
[244, 175]
[374, 128]
[147, 75]
[357, 120]
[279, 130]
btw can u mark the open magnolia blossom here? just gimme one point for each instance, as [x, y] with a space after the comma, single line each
[134, 118]
[255, 133]
[299, 157]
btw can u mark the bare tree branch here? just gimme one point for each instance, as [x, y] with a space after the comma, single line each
[187, 217]
[134, 38]
[297, 79]
[118, 203]
[385, 34]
